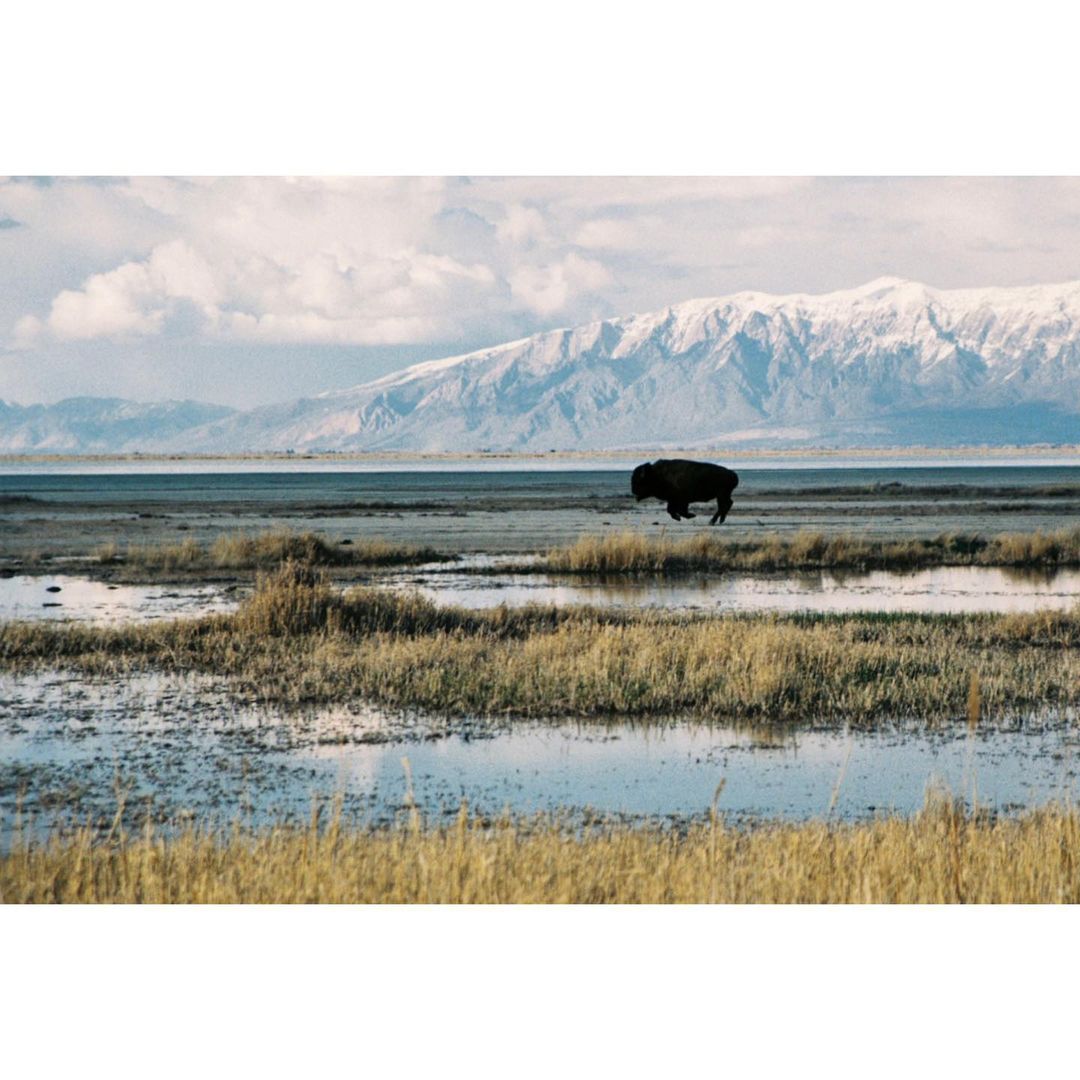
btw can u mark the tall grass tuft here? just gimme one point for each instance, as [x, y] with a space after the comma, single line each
[291, 601]
[187, 555]
[263, 551]
[942, 855]
[637, 553]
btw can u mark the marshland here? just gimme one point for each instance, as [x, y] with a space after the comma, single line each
[208, 655]
[296, 639]
[942, 854]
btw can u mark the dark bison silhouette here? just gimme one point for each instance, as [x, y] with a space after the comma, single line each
[680, 483]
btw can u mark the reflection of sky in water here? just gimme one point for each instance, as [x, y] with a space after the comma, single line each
[944, 589]
[25, 597]
[188, 745]
[649, 773]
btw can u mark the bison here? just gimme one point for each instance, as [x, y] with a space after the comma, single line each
[680, 483]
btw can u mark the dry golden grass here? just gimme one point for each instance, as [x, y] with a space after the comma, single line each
[186, 555]
[107, 553]
[262, 551]
[241, 551]
[636, 553]
[299, 640]
[942, 855]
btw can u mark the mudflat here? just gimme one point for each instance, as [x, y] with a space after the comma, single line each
[63, 509]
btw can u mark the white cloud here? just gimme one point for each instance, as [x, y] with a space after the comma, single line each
[341, 261]
[522, 225]
[547, 290]
[342, 296]
[27, 332]
[119, 303]
[135, 299]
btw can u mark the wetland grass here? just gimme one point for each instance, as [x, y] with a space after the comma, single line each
[297, 639]
[263, 551]
[941, 855]
[636, 553]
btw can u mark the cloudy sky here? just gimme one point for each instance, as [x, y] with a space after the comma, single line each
[245, 291]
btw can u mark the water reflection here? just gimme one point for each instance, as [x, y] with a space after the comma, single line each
[60, 596]
[185, 745]
[942, 589]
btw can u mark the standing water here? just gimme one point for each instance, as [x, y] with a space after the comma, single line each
[170, 746]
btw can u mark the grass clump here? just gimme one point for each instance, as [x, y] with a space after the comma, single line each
[297, 639]
[636, 553]
[942, 855]
[186, 555]
[107, 553]
[263, 551]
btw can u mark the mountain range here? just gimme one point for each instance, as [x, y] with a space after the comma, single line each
[89, 425]
[893, 362]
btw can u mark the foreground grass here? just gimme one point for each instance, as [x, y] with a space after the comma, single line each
[298, 640]
[263, 551]
[636, 553]
[942, 855]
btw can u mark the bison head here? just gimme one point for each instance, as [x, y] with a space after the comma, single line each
[642, 482]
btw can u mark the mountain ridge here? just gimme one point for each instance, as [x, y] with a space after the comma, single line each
[87, 424]
[892, 360]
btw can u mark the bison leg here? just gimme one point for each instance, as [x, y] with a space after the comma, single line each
[723, 505]
[673, 511]
[685, 511]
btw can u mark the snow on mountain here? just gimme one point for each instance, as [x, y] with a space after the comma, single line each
[893, 362]
[99, 425]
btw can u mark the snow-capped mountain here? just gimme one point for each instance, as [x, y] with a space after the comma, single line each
[99, 425]
[893, 362]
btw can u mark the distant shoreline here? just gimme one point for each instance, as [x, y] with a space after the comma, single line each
[369, 457]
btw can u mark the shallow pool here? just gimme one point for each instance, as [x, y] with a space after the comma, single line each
[943, 589]
[65, 596]
[69, 749]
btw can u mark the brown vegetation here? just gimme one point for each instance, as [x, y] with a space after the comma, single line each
[263, 551]
[942, 855]
[636, 553]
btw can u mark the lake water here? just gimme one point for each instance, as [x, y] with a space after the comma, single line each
[320, 482]
[183, 745]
